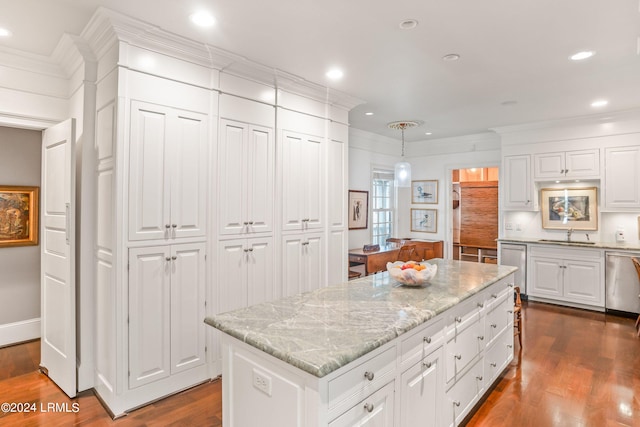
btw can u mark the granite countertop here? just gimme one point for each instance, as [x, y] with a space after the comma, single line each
[626, 246]
[323, 330]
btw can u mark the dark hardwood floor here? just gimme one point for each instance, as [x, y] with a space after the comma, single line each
[575, 368]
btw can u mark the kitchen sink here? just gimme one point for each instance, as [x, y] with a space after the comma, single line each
[566, 241]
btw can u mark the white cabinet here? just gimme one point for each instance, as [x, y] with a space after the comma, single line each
[374, 411]
[567, 164]
[518, 186]
[245, 178]
[167, 173]
[166, 309]
[302, 182]
[421, 392]
[302, 263]
[622, 178]
[245, 269]
[574, 276]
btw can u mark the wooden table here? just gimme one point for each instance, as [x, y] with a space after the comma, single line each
[377, 260]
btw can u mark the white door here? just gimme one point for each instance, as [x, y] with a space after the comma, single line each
[57, 275]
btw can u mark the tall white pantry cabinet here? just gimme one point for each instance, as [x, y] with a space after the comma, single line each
[212, 194]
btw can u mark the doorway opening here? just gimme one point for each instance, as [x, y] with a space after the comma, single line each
[475, 214]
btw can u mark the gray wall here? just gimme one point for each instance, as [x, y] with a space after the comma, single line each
[20, 265]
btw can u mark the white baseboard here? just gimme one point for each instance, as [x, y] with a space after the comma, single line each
[12, 333]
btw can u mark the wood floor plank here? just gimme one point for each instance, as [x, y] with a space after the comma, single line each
[575, 368]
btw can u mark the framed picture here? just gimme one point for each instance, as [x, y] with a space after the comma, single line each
[565, 208]
[424, 191]
[358, 209]
[424, 220]
[18, 216]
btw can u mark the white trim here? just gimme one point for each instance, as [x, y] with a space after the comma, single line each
[13, 333]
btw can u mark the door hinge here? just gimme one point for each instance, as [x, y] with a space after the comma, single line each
[205, 348]
[127, 266]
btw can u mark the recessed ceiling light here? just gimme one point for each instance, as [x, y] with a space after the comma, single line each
[203, 19]
[4, 32]
[599, 103]
[579, 56]
[427, 133]
[334, 74]
[451, 57]
[368, 113]
[408, 24]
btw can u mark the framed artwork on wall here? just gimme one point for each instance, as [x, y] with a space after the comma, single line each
[424, 191]
[424, 220]
[565, 208]
[358, 209]
[18, 216]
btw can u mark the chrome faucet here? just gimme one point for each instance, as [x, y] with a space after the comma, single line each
[569, 231]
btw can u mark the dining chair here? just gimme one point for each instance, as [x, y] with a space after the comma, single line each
[517, 315]
[408, 253]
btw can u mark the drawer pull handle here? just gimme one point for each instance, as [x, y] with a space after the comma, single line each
[493, 325]
[510, 311]
[494, 295]
[250, 222]
[509, 346]
[245, 223]
[481, 305]
[167, 226]
[168, 258]
[493, 365]
[174, 258]
[458, 356]
[369, 375]
[458, 319]
[174, 225]
[368, 407]
[427, 340]
[479, 378]
[510, 285]
[426, 364]
[456, 403]
[481, 337]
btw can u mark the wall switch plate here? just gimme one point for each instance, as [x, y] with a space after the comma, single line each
[508, 226]
[262, 382]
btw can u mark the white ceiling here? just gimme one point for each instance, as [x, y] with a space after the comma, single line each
[509, 51]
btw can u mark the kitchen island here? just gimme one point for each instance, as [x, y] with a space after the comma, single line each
[370, 350]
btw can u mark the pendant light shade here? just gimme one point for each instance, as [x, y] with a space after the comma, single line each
[402, 168]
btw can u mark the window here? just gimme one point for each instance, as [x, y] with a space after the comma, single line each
[382, 200]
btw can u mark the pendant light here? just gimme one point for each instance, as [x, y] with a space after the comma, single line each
[402, 168]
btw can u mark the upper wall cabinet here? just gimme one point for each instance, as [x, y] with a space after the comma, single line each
[302, 182]
[622, 178]
[518, 186]
[167, 173]
[567, 164]
[246, 178]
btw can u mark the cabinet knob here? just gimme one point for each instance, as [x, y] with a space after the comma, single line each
[246, 250]
[168, 259]
[493, 325]
[494, 295]
[480, 305]
[479, 377]
[456, 403]
[458, 319]
[369, 375]
[493, 364]
[245, 223]
[167, 226]
[174, 225]
[481, 337]
[510, 311]
[509, 346]
[250, 249]
[173, 258]
[250, 222]
[458, 356]
[427, 340]
[510, 285]
[426, 364]
[368, 407]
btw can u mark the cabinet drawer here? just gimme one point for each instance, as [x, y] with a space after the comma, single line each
[499, 316]
[463, 346]
[422, 342]
[465, 392]
[374, 410]
[357, 258]
[363, 379]
[498, 356]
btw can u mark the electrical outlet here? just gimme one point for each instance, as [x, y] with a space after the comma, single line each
[262, 382]
[508, 226]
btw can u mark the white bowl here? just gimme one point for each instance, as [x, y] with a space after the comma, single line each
[411, 276]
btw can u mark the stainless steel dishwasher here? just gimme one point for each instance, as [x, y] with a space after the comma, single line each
[621, 283]
[516, 256]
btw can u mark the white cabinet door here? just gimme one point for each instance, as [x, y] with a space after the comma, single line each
[582, 282]
[189, 159]
[149, 186]
[302, 263]
[582, 163]
[232, 275]
[187, 306]
[260, 271]
[518, 193]
[375, 411]
[622, 178]
[546, 277]
[246, 178]
[549, 165]
[167, 173]
[302, 182]
[149, 314]
[422, 393]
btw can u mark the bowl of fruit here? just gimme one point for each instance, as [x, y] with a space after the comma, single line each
[411, 273]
